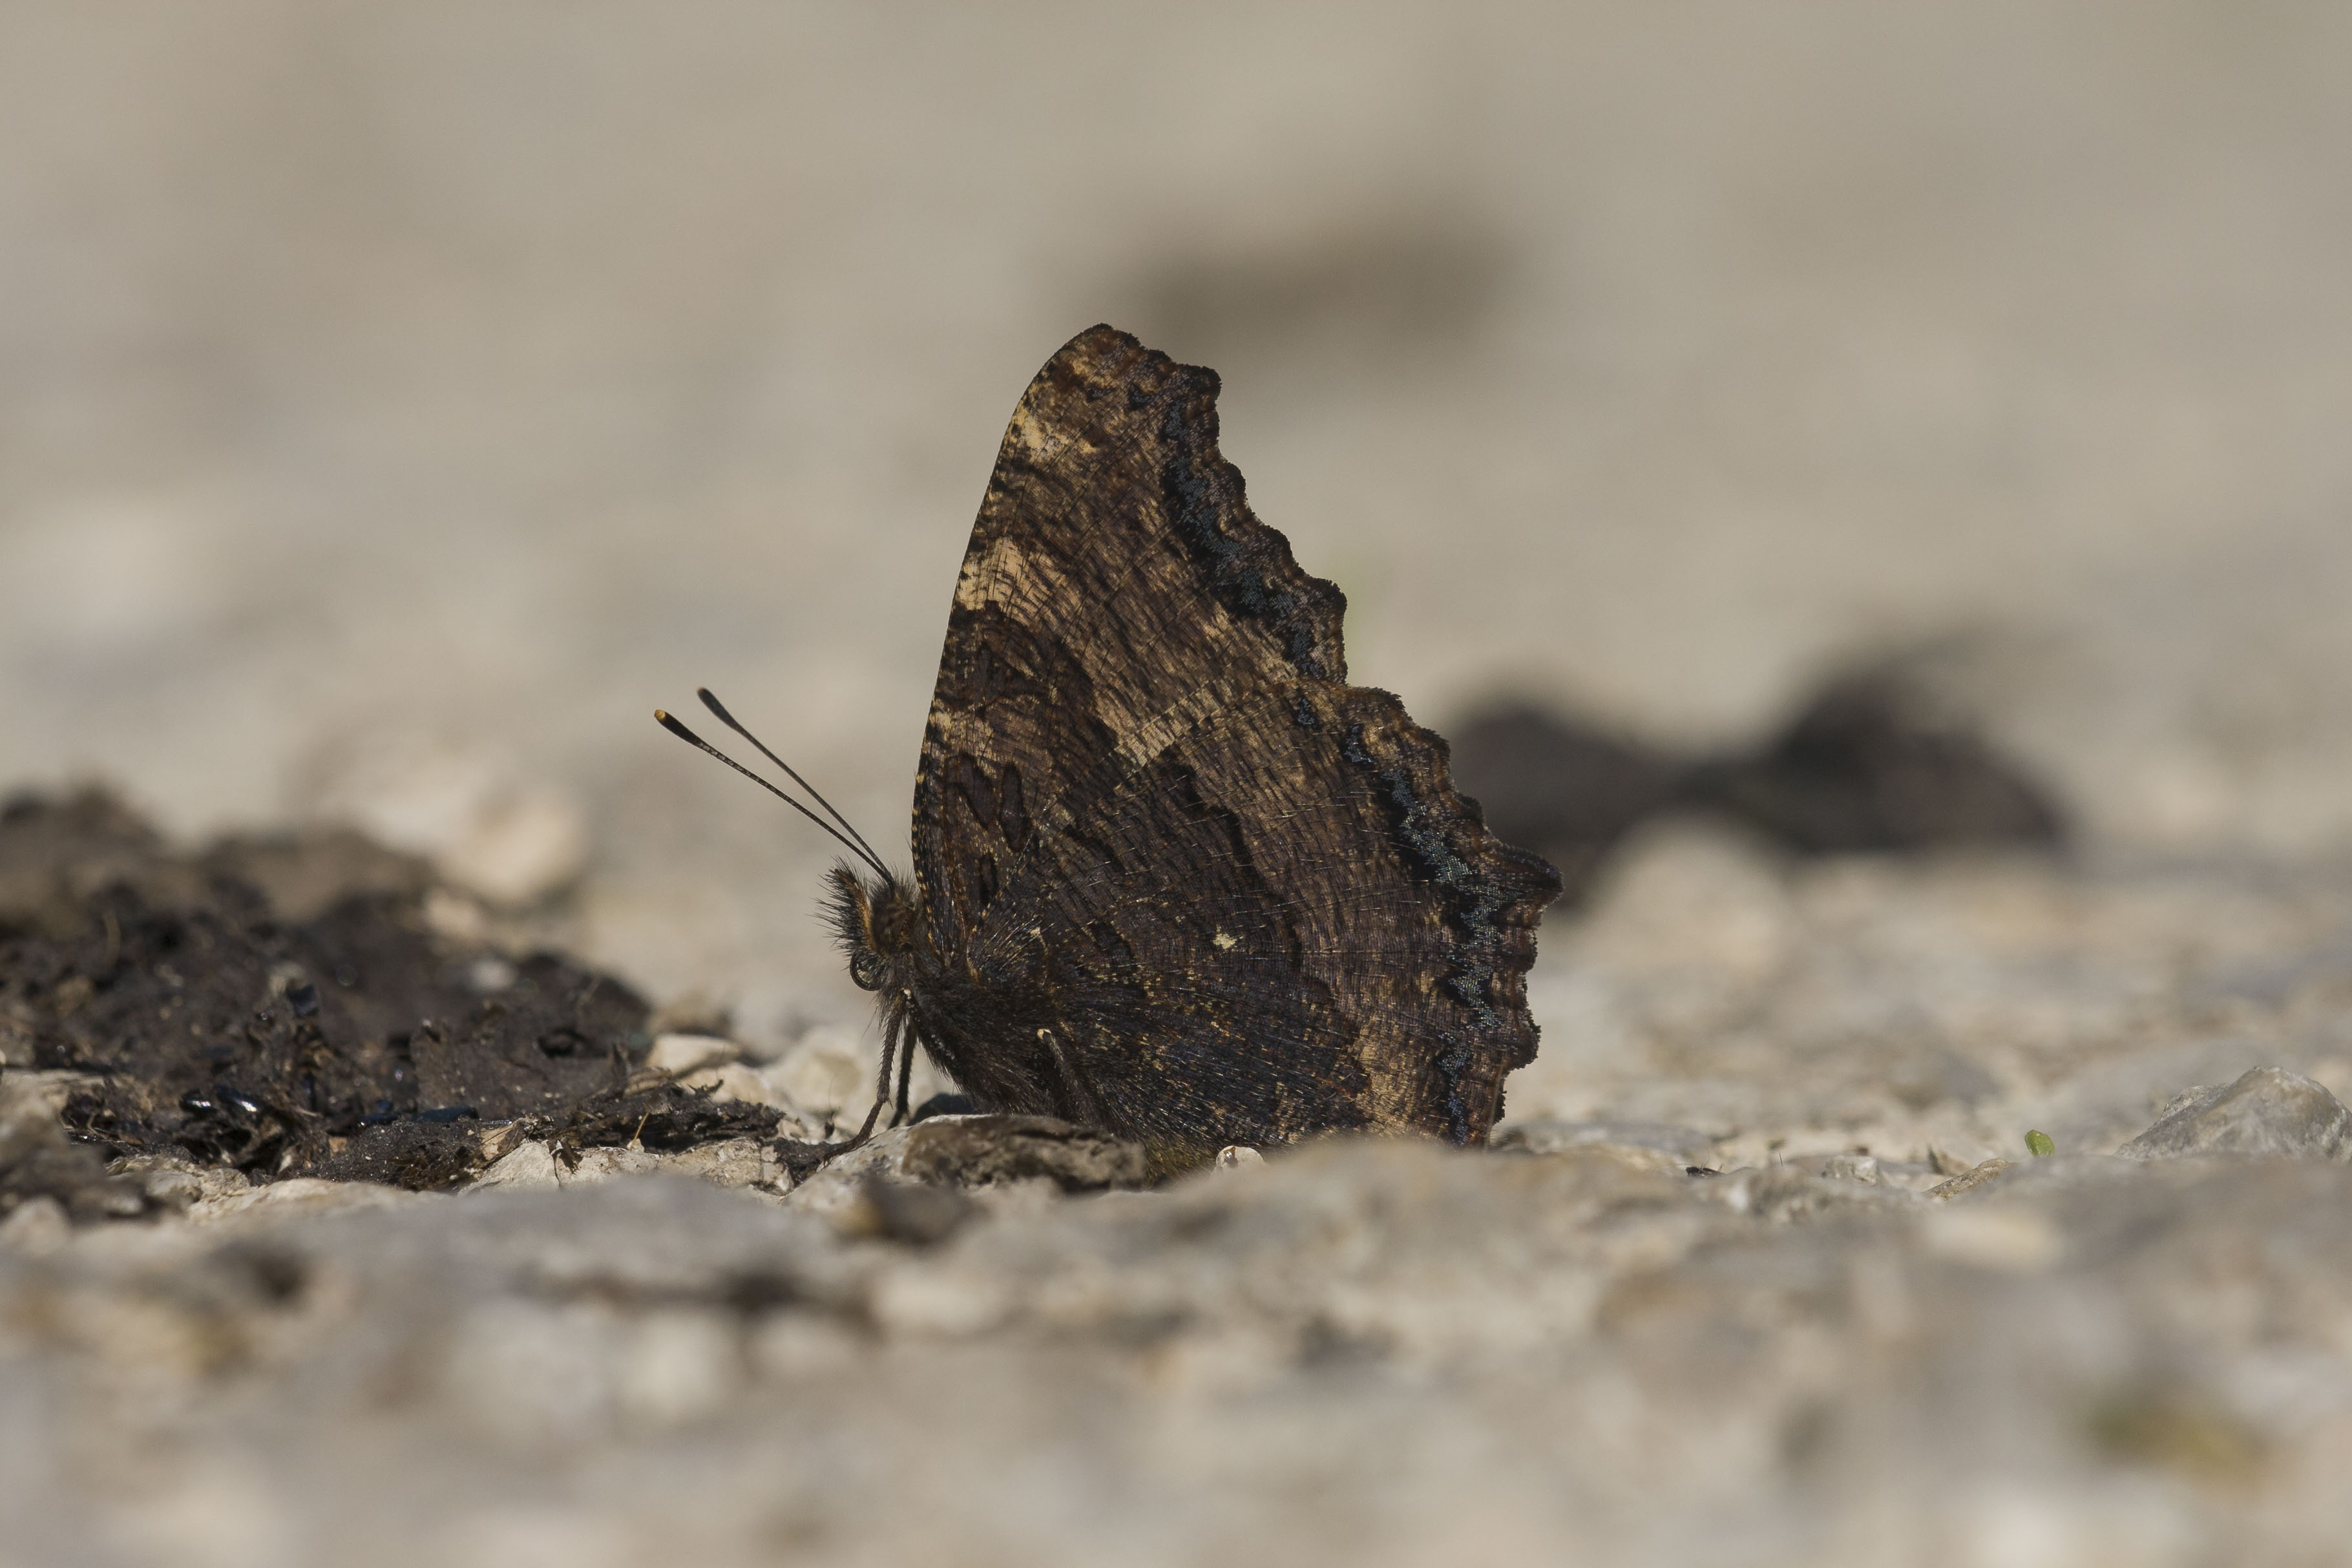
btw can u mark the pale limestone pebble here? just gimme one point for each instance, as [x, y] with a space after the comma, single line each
[1846, 1167]
[712, 1063]
[455, 917]
[732, 1162]
[489, 828]
[1951, 1157]
[36, 1227]
[2266, 1112]
[303, 1196]
[681, 1054]
[828, 1075]
[608, 1164]
[172, 1181]
[833, 1189]
[824, 1072]
[735, 1162]
[29, 1093]
[529, 1165]
[741, 1080]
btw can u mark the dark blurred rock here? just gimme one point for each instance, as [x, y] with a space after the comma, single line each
[1869, 764]
[1562, 787]
[907, 1211]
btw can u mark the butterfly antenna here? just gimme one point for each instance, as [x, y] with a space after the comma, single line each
[728, 719]
[670, 724]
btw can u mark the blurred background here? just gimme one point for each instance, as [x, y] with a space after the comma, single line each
[398, 400]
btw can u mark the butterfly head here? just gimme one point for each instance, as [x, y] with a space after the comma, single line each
[873, 920]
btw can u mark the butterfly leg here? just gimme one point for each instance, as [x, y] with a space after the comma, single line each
[881, 1088]
[905, 1076]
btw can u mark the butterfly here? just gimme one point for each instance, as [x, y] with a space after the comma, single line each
[1173, 876]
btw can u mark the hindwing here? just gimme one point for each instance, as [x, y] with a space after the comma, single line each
[1153, 817]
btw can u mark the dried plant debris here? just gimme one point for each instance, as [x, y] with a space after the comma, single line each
[195, 1015]
[1867, 764]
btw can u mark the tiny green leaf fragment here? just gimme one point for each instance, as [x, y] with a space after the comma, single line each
[2038, 1143]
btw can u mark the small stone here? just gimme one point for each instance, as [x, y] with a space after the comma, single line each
[173, 1182]
[606, 1164]
[730, 1162]
[736, 1080]
[1970, 1179]
[35, 1225]
[530, 1163]
[502, 836]
[1862, 1168]
[172, 1190]
[823, 1073]
[681, 1054]
[1949, 1161]
[887, 1210]
[305, 1195]
[2267, 1112]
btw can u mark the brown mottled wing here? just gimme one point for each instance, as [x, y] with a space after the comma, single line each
[1150, 808]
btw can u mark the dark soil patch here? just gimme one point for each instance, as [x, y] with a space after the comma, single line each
[286, 1007]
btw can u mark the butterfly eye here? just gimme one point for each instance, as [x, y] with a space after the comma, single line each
[865, 970]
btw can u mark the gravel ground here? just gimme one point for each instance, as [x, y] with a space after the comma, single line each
[397, 402]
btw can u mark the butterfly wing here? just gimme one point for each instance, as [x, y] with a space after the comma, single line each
[1152, 818]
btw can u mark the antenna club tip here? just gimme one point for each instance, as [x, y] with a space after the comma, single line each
[660, 718]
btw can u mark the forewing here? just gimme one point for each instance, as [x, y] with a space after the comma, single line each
[1116, 590]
